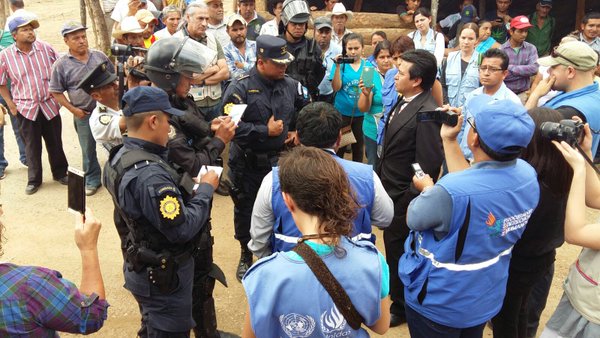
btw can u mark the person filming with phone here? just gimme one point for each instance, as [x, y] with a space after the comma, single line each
[466, 224]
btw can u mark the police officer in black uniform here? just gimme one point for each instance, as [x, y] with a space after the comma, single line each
[162, 212]
[307, 67]
[272, 100]
[193, 143]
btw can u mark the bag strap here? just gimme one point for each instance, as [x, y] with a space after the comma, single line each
[336, 291]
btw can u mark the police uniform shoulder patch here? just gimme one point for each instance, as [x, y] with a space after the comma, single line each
[102, 109]
[243, 76]
[169, 206]
[105, 119]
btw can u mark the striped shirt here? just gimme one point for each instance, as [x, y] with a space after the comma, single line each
[37, 302]
[29, 74]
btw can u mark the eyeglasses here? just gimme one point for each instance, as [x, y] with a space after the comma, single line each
[471, 122]
[484, 69]
[556, 54]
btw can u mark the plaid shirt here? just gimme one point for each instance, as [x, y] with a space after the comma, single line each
[232, 54]
[29, 74]
[37, 302]
[521, 66]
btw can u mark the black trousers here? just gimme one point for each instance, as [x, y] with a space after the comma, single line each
[32, 133]
[358, 148]
[246, 182]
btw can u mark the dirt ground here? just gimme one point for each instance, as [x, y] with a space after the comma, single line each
[39, 230]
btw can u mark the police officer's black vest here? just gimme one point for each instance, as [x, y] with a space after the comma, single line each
[307, 68]
[141, 232]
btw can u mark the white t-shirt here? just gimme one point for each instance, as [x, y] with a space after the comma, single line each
[122, 9]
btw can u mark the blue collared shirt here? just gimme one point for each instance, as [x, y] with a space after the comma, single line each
[331, 52]
[233, 54]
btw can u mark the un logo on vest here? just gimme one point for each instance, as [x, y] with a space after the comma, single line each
[296, 325]
[333, 321]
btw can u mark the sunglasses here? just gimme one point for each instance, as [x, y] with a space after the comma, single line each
[471, 122]
[556, 54]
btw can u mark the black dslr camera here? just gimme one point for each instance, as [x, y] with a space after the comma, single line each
[446, 117]
[569, 131]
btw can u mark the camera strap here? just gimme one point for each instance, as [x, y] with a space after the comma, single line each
[587, 159]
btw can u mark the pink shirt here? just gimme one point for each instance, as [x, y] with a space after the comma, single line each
[29, 74]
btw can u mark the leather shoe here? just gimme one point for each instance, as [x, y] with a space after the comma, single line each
[31, 189]
[397, 320]
[91, 191]
[63, 180]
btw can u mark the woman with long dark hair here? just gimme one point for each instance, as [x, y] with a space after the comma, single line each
[425, 37]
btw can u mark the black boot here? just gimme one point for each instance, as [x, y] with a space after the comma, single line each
[244, 264]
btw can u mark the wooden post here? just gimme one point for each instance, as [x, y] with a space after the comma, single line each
[580, 13]
[3, 13]
[435, 4]
[358, 6]
[260, 5]
[481, 9]
[82, 15]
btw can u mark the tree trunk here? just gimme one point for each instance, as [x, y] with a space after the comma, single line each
[99, 25]
[4, 9]
[82, 12]
[434, 11]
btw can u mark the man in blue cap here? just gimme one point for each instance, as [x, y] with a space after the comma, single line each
[463, 228]
[163, 214]
[266, 126]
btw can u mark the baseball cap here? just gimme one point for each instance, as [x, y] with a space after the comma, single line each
[145, 99]
[70, 27]
[20, 21]
[274, 48]
[235, 17]
[323, 22]
[503, 126]
[468, 13]
[547, 3]
[98, 77]
[145, 16]
[576, 54]
[520, 22]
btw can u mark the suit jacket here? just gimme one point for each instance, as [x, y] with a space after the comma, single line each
[407, 141]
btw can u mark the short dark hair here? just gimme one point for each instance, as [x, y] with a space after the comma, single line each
[499, 54]
[590, 15]
[318, 125]
[424, 11]
[424, 66]
[352, 36]
[402, 44]
[383, 45]
[271, 4]
[17, 3]
[379, 33]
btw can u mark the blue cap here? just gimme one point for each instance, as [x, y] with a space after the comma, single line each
[468, 13]
[21, 21]
[547, 3]
[145, 99]
[503, 125]
[70, 27]
[274, 48]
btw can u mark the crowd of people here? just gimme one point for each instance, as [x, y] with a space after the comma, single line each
[472, 212]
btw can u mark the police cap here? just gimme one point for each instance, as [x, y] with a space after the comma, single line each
[145, 99]
[97, 78]
[274, 48]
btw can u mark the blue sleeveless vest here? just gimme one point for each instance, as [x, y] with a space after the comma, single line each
[460, 280]
[286, 234]
[287, 300]
[585, 100]
[459, 86]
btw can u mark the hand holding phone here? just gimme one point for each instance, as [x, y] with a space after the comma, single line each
[367, 76]
[418, 171]
[76, 191]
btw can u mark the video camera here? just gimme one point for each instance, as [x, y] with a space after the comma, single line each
[118, 49]
[569, 131]
[344, 59]
[446, 117]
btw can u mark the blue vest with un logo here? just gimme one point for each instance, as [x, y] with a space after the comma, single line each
[286, 234]
[287, 300]
[460, 280]
[586, 100]
[459, 86]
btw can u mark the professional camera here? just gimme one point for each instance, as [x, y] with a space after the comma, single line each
[569, 131]
[344, 59]
[118, 49]
[446, 117]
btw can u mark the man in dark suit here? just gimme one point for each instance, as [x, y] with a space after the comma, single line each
[407, 141]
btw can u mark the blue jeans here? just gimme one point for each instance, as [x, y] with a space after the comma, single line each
[22, 157]
[91, 167]
[371, 151]
[421, 327]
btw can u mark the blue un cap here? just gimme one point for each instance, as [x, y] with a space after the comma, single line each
[145, 99]
[503, 125]
[274, 48]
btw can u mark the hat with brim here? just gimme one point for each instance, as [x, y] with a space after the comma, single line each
[20, 21]
[520, 22]
[96, 78]
[129, 25]
[235, 18]
[145, 16]
[576, 54]
[323, 22]
[546, 3]
[273, 48]
[340, 9]
[71, 27]
[144, 99]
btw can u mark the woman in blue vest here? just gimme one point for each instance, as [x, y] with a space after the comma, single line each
[426, 37]
[370, 100]
[578, 312]
[344, 81]
[293, 303]
[533, 255]
[460, 71]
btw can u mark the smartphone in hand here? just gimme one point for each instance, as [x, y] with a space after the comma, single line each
[76, 191]
[367, 76]
[418, 171]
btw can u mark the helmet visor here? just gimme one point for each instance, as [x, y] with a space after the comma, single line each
[192, 58]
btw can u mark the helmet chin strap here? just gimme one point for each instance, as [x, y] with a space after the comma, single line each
[292, 35]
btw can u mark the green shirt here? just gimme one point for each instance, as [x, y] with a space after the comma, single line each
[541, 38]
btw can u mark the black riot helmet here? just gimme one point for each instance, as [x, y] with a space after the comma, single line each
[295, 11]
[169, 58]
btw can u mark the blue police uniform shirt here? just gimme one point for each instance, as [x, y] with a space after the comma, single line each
[449, 278]
[147, 194]
[286, 234]
[282, 309]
